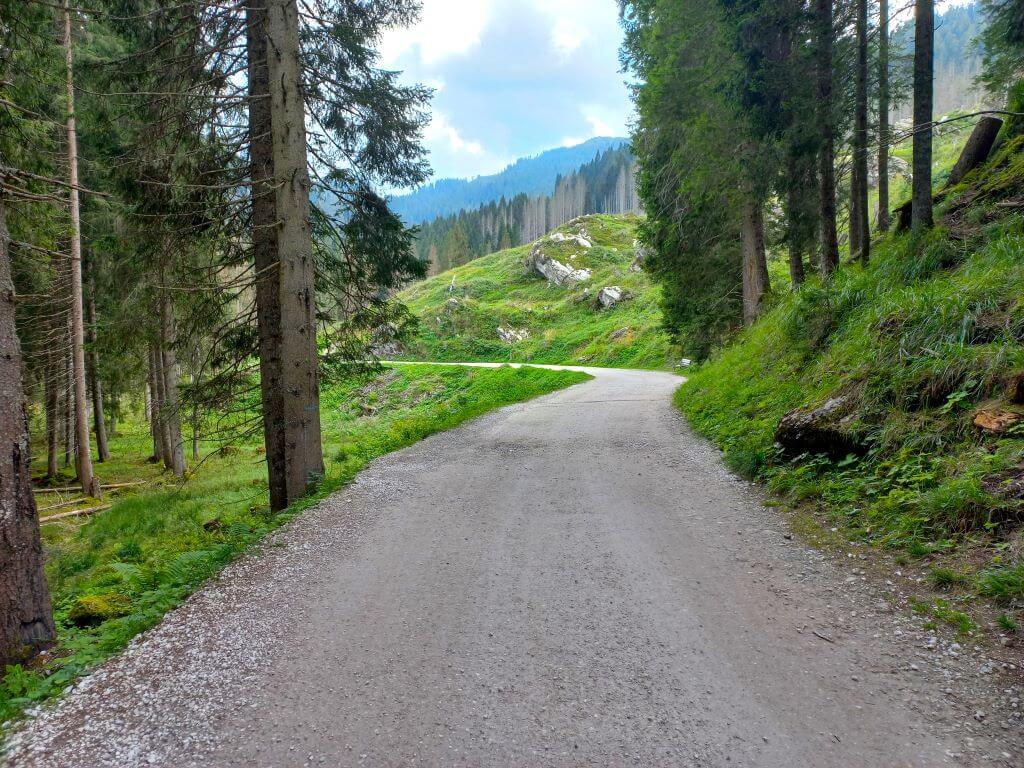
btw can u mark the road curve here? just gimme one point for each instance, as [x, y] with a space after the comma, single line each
[571, 581]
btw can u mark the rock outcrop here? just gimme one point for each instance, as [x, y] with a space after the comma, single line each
[511, 336]
[554, 271]
[611, 295]
[826, 429]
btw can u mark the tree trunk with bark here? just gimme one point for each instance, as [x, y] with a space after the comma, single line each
[98, 420]
[976, 151]
[755, 265]
[83, 456]
[264, 244]
[67, 390]
[827, 171]
[884, 217]
[160, 408]
[26, 616]
[171, 380]
[860, 140]
[152, 404]
[921, 214]
[304, 464]
[51, 396]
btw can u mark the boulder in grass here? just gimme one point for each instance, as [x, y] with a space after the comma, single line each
[555, 271]
[511, 336]
[91, 610]
[611, 295]
[826, 429]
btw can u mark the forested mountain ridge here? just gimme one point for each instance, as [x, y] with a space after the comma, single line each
[530, 176]
[607, 184]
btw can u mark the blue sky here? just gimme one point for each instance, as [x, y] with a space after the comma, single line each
[513, 77]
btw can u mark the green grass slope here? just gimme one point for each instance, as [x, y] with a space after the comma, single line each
[460, 311]
[921, 340]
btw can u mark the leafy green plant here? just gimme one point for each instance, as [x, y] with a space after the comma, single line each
[1007, 623]
[941, 577]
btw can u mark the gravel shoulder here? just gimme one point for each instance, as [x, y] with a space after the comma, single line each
[575, 580]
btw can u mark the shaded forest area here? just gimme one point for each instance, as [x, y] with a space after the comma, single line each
[766, 127]
[175, 246]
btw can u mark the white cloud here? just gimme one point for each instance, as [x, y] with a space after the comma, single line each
[446, 28]
[512, 77]
[566, 36]
[440, 128]
[599, 127]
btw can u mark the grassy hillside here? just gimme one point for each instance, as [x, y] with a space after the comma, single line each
[113, 574]
[460, 311]
[920, 342]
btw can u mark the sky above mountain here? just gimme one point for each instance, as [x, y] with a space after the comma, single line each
[516, 77]
[512, 78]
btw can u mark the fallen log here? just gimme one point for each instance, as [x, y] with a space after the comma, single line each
[70, 503]
[975, 152]
[74, 488]
[72, 513]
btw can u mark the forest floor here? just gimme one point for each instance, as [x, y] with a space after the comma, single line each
[575, 580]
[116, 572]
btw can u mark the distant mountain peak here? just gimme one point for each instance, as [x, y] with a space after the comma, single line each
[536, 175]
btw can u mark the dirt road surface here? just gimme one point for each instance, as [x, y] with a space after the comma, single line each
[572, 581]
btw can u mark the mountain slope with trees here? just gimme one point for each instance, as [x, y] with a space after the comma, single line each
[531, 176]
[607, 184]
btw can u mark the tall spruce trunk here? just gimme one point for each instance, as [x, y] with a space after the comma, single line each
[827, 163]
[884, 215]
[755, 265]
[171, 377]
[160, 409]
[796, 266]
[860, 138]
[153, 406]
[68, 388]
[98, 420]
[264, 244]
[26, 616]
[304, 464]
[83, 456]
[921, 215]
[51, 396]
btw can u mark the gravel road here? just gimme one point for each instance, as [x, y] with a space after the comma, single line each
[570, 581]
